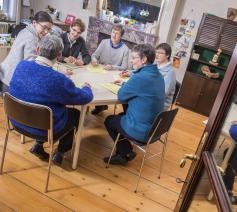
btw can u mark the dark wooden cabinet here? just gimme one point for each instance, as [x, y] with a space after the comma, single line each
[215, 32]
[198, 93]
[198, 90]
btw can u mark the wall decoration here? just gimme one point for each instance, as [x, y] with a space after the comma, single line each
[85, 4]
[176, 62]
[232, 14]
[183, 37]
[70, 19]
[26, 3]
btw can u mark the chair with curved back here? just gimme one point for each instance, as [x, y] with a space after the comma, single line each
[158, 132]
[176, 93]
[31, 115]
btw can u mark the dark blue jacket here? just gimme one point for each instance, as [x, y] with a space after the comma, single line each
[40, 84]
[145, 94]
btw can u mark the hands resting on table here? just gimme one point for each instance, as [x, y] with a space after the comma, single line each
[73, 60]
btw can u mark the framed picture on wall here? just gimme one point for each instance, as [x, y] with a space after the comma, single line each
[70, 19]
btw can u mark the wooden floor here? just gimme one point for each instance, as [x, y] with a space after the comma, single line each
[92, 187]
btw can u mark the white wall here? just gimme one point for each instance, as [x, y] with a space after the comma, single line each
[193, 9]
[72, 7]
[151, 2]
[25, 11]
[174, 10]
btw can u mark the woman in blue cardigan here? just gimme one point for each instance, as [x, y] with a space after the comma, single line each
[145, 93]
[37, 82]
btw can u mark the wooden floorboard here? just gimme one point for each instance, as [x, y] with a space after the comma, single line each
[92, 187]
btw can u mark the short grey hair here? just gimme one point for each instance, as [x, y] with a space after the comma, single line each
[50, 46]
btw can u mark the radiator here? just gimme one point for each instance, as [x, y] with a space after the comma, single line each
[3, 28]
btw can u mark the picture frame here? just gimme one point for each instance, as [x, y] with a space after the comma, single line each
[70, 19]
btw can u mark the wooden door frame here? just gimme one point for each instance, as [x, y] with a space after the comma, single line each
[216, 118]
[216, 182]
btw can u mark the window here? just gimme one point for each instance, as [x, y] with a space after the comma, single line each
[1, 4]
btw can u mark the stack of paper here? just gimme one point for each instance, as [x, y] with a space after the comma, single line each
[79, 84]
[124, 79]
[111, 87]
[61, 67]
[96, 69]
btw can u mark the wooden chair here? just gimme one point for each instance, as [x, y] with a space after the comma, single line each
[176, 93]
[31, 115]
[158, 132]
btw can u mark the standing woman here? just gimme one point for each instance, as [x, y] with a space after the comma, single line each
[163, 54]
[24, 47]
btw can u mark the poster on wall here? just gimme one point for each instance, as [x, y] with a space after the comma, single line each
[183, 40]
[232, 14]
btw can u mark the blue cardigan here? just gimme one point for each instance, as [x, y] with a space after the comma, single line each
[40, 84]
[145, 94]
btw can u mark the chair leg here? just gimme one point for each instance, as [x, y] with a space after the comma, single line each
[4, 151]
[23, 139]
[162, 156]
[73, 143]
[115, 143]
[49, 167]
[140, 172]
[115, 108]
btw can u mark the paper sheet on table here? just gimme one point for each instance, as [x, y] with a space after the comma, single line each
[117, 77]
[63, 66]
[70, 65]
[95, 69]
[111, 87]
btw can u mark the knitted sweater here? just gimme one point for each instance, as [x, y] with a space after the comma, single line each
[145, 93]
[40, 84]
[23, 48]
[169, 75]
[108, 55]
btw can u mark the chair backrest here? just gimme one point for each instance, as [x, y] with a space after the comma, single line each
[29, 114]
[162, 124]
[177, 88]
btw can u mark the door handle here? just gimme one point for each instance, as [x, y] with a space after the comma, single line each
[192, 157]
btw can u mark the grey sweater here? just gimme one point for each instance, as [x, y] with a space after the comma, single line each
[107, 55]
[23, 48]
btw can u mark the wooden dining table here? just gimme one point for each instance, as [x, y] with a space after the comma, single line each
[102, 96]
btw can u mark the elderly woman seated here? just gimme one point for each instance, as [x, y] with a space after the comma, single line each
[37, 82]
[145, 94]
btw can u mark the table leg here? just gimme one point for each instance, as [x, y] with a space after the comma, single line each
[23, 139]
[78, 136]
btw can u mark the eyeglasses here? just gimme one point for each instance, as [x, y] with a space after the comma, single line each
[78, 32]
[44, 27]
[135, 57]
[160, 52]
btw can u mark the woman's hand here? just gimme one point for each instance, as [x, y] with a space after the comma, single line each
[68, 72]
[108, 67]
[86, 84]
[69, 59]
[94, 62]
[234, 122]
[118, 82]
[79, 62]
[124, 74]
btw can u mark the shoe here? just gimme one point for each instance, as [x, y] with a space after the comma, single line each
[233, 199]
[130, 156]
[99, 109]
[57, 158]
[116, 160]
[38, 150]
